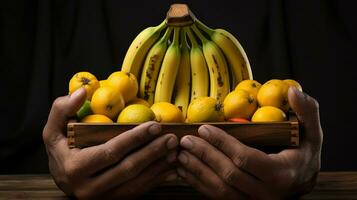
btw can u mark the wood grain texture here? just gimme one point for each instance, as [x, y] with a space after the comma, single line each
[330, 185]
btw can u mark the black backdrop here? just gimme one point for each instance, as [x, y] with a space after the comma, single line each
[43, 43]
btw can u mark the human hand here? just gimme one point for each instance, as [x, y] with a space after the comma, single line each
[126, 166]
[221, 167]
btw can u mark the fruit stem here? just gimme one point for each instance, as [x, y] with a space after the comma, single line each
[205, 28]
[184, 43]
[161, 26]
[199, 34]
[166, 35]
[176, 35]
[191, 37]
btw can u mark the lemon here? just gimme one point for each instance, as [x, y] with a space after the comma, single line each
[274, 93]
[102, 83]
[107, 101]
[86, 80]
[96, 119]
[293, 83]
[136, 113]
[239, 104]
[139, 101]
[251, 86]
[268, 114]
[205, 109]
[125, 83]
[167, 112]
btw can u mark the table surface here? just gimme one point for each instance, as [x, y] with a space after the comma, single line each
[331, 185]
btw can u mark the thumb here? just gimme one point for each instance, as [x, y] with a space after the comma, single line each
[307, 111]
[62, 109]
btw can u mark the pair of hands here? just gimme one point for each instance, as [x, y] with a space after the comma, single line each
[215, 163]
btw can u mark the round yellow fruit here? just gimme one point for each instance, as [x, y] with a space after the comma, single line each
[125, 83]
[139, 101]
[268, 114]
[293, 83]
[251, 86]
[136, 113]
[102, 83]
[86, 80]
[274, 93]
[96, 119]
[205, 109]
[239, 104]
[167, 112]
[107, 101]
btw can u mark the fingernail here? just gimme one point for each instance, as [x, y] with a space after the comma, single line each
[155, 129]
[186, 143]
[203, 132]
[77, 93]
[181, 172]
[171, 143]
[171, 177]
[183, 158]
[171, 157]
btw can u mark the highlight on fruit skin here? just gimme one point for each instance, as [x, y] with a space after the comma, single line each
[125, 82]
[86, 80]
[239, 104]
[96, 118]
[268, 114]
[167, 112]
[136, 113]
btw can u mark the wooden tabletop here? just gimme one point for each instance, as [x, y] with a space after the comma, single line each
[331, 185]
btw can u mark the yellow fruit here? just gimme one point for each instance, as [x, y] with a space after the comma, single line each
[205, 109]
[125, 83]
[107, 101]
[139, 101]
[102, 83]
[268, 114]
[86, 80]
[239, 104]
[136, 113]
[251, 86]
[274, 93]
[293, 83]
[96, 119]
[167, 112]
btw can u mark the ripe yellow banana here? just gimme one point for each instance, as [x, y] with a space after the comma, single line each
[138, 49]
[232, 49]
[217, 65]
[152, 66]
[183, 80]
[199, 70]
[168, 71]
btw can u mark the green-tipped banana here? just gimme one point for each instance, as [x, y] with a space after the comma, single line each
[232, 49]
[199, 70]
[182, 84]
[152, 66]
[138, 49]
[168, 71]
[217, 65]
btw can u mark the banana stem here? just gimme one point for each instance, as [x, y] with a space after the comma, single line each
[161, 26]
[184, 42]
[176, 35]
[199, 34]
[167, 34]
[191, 37]
[204, 27]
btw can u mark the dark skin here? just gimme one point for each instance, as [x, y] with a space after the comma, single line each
[215, 163]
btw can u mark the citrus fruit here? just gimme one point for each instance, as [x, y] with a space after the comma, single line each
[96, 118]
[86, 80]
[205, 109]
[251, 86]
[167, 112]
[84, 110]
[239, 104]
[268, 114]
[293, 83]
[107, 101]
[125, 83]
[139, 101]
[274, 93]
[136, 113]
[102, 83]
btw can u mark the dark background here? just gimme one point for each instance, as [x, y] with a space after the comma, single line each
[43, 43]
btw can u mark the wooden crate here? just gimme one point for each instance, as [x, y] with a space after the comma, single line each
[260, 134]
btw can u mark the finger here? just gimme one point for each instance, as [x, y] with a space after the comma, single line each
[115, 149]
[307, 111]
[219, 163]
[136, 162]
[62, 109]
[250, 160]
[203, 179]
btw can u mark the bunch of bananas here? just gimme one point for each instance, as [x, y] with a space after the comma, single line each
[179, 63]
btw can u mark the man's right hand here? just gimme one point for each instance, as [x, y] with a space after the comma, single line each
[126, 166]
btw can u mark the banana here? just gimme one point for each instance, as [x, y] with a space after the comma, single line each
[183, 80]
[168, 71]
[152, 66]
[217, 65]
[138, 49]
[232, 49]
[199, 70]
